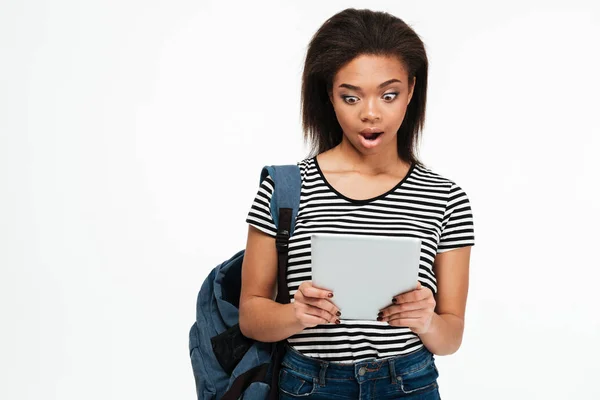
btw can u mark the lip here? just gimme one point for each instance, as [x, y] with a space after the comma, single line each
[372, 143]
[371, 130]
[369, 144]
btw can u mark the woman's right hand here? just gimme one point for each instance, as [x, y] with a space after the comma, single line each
[313, 307]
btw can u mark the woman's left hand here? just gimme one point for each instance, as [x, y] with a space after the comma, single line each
[412, 309]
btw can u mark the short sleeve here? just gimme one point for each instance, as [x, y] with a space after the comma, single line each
[457, 224]
[259, 215]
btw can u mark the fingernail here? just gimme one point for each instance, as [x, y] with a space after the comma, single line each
[394, 300]
[337, 321]
[379, 318]
[338, 313]
[330, 295]
[380, 314]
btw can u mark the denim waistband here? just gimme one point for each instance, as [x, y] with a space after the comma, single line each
[392, 367]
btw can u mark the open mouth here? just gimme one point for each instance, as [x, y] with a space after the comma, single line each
[371, 136]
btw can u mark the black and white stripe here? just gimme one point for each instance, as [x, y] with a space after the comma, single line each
[424, 205]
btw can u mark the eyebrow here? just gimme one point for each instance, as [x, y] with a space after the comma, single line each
[358, 89]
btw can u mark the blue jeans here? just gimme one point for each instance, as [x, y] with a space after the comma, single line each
[410, 376]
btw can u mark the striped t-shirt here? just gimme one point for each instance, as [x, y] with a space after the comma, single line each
[423, 205]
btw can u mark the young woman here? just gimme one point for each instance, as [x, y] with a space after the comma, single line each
[363, 102]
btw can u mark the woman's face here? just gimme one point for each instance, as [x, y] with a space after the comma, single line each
[371, 92]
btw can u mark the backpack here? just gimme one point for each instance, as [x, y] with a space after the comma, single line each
[226, 364]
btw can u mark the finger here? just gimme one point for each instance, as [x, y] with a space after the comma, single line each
[324, 304]
[405, 314]
[405, 322]
[415, 305]
[413, 295]
[312, 321]
[308, 309]
[309, 320]
[308, 290]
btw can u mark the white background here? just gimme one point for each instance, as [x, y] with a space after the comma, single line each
[132, 134]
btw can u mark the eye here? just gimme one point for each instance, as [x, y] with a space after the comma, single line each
[345, 98]
[354, 99]
[390, 94]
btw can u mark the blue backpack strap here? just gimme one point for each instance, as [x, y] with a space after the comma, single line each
[287, 190]
[285, 202]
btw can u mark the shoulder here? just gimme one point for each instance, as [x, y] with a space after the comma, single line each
[306, 163]
[306, 166]
[426, 174]
[431, 177]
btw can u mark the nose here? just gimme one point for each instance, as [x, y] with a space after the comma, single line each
[370, 112]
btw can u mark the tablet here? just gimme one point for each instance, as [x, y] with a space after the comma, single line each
[364, 271]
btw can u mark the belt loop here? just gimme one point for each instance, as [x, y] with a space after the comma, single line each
[324, 365]
[392, 369]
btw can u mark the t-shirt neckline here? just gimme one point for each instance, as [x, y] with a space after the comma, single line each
[362, 201]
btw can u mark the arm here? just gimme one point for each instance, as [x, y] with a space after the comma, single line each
[445, 332]
[261, 318]
[439, 323]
